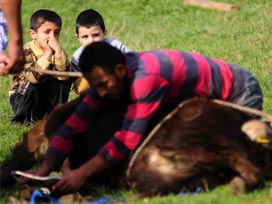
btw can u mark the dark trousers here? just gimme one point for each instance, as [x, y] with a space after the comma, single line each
[39, 100]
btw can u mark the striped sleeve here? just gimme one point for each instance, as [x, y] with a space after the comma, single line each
[65, 138]
[145, 101]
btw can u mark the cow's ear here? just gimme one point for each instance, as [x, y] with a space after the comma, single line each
[120, 70]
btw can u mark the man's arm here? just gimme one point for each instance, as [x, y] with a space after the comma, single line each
[15, 59]
[145, 101]
[76, 178]
[64, 139]
[129, 136]
[125, 140]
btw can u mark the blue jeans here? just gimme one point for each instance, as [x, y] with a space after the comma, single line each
[246, 90]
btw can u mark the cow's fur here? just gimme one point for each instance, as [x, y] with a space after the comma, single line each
[35, 142]
[201, 145]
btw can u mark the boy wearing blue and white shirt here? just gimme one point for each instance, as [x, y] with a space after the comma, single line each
[90, 28]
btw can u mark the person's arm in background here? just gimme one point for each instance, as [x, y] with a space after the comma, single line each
[13, 62]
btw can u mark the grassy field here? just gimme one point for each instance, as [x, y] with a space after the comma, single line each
[242, 37]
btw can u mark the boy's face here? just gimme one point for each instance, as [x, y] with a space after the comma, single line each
[88, 35]
[44, 33]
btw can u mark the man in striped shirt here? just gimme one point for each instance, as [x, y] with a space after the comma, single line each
[149, 83]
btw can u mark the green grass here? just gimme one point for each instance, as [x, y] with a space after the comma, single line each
[242, 37]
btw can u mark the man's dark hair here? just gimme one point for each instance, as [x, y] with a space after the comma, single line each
[41, 16]
[100, 54]
[90, 18]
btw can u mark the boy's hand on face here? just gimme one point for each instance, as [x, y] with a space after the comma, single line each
[47, 49]
[45, 46]
[54, 45]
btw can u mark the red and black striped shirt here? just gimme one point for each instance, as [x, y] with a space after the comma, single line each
[155, 77]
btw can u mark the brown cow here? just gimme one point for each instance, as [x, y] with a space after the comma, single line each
[35, 142]
[202, 144]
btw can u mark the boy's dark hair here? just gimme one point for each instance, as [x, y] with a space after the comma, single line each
[89, 18]
[100, 54]
[39, 17]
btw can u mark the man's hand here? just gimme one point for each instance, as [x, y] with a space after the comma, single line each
[76, 178]
[45, 169]
[13, 62]
[70, 182]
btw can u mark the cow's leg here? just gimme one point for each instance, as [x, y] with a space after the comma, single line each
[250, 175]
[157, 172]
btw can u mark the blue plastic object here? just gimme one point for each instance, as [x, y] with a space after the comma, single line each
[39, 194]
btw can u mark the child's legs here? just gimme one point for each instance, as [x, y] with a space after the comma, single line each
[24, 105]
[64, 90]
[58, 91]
